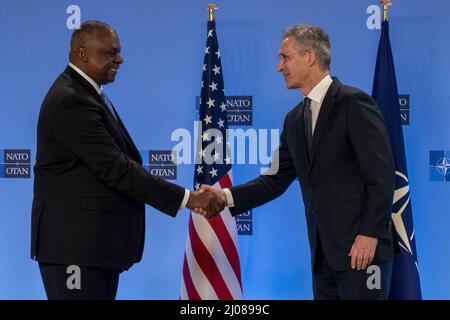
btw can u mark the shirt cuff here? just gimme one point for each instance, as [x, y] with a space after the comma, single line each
[185, 199]
[230, 201]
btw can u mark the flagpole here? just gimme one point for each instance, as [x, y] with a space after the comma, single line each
[211, 7]
[385, 4]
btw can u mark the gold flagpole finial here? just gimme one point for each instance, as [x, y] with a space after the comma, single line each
[385, 4]
[211, 7]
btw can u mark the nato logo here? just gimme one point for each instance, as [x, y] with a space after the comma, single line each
[403, 100]
[440, 166]
[245, 223]
[15, 163]
[239, 110]
[160, 163]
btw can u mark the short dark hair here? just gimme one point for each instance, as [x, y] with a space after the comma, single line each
[89, 28]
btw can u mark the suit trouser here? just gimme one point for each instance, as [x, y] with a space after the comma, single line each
[94, 283]
[370, 284]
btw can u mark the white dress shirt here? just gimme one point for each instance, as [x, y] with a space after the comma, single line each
[99, 91]
[316, 95]
[87, 78]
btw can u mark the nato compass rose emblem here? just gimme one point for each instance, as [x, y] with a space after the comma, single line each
[401, 206]
[443, 165]
[401, 202]
[439, 166]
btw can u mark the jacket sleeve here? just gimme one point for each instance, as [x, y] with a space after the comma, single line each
[371, 144]
[79, 126]
[268, 186]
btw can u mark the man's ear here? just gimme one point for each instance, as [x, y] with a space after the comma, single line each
[82, 54]
[311, 58]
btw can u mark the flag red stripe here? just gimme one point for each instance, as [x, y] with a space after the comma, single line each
[190, 288]
[225, 181]
[227, 245]
[224, 235]
[208, 265]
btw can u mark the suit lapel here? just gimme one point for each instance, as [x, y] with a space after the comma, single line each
[124, 136]
[127, 137]
[324, 114]
[301, 133]
[87, 86]
[295, 137]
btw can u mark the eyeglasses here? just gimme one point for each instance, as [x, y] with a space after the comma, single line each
[285, 56]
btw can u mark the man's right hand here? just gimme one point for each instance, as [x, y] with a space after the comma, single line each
[206, 201]
[220, 194]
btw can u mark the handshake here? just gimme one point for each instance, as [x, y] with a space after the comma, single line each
[208, 201]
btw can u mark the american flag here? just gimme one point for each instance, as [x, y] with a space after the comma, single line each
[211, 268]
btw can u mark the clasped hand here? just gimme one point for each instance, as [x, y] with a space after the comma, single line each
[208, 201]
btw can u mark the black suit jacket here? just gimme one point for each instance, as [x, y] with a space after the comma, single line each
[347, 182]
[89, 185]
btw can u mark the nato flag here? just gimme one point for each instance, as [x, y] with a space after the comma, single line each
[405, 284]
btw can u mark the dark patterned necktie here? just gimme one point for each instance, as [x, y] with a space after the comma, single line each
[307, 119]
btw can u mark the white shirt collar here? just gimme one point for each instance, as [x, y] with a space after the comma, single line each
[87, 78]
[318, 92]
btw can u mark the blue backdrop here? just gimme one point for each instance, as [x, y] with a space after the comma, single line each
[155, 90]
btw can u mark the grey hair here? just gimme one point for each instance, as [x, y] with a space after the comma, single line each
[89, 28]
[314, 38]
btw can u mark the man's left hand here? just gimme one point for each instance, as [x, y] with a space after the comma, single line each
[363, 251]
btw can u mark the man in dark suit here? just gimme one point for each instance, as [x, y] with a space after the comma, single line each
[90, 189]
[336, 144]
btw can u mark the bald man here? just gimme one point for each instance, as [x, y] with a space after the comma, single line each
[88, 216]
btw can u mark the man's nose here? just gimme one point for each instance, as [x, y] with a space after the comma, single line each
[119, 59]
[280, 66]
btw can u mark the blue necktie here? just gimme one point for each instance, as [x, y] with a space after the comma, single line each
[109, 104]
[113, 111]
